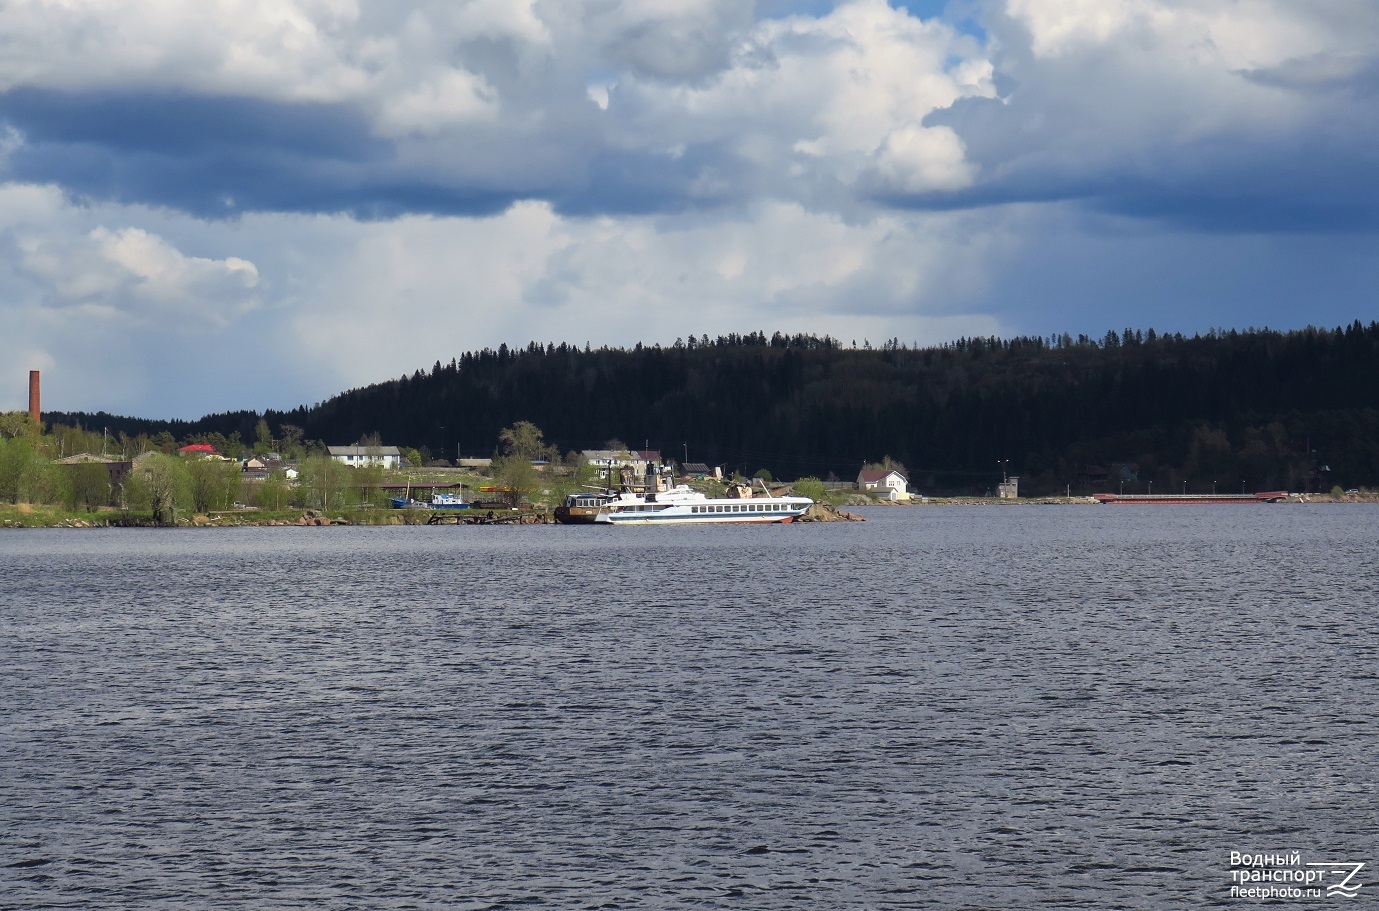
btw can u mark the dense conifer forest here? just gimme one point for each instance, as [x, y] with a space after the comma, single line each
[1258, 409]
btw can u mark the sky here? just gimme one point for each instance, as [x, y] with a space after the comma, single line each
[237, 204]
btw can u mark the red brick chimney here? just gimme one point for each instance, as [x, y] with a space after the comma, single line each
[33, 396]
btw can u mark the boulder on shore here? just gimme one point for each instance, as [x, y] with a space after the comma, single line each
[823, 512]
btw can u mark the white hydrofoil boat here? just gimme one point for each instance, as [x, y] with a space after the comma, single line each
[683, 506]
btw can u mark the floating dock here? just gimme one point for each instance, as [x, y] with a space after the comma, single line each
[1189, 499]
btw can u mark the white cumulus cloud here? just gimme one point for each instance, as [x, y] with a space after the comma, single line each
[131, 272]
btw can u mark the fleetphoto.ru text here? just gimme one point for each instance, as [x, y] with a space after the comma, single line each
[1287, 875]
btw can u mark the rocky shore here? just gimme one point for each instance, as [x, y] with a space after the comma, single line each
[24, 515]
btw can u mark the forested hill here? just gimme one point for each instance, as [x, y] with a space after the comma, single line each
[1264, 409]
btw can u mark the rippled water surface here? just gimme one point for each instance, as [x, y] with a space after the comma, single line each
[1073, 707]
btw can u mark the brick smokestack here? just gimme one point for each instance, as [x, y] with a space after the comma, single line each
[33, 396]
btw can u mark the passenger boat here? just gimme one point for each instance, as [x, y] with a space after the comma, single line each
[654, 499]
[583, 508]
[681, 505]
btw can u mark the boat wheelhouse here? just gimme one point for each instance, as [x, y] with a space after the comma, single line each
[583, 508]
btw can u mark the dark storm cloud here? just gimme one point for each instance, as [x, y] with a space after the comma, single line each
[1347, 75]
[1309, 173]
[216, 156]
[636, 183]
[188, 124]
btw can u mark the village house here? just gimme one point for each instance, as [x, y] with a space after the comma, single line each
[700, 471]
[610, 458]
[359, 456]
[199, 451]
[887, 483]
[261, 467]
[116, 469]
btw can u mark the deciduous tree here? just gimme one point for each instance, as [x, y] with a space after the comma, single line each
[523, 439]
[323, 482]
[159, 485]
[214, 484]
[517, 478]
[88, 485]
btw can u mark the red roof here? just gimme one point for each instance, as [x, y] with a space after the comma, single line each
[874, 475]
[199, 447]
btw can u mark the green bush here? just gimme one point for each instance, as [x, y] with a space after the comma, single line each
[275, 493]
[518, 478]
[88, 486]
[812, 488]
[323, 483]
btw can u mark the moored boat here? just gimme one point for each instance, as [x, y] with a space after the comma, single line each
[583, 508]
[681, 505]
[1191, 499]
[438, 501]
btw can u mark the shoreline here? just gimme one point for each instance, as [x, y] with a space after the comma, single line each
[24, 515]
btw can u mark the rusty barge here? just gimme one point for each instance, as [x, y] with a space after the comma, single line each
[1189, 499]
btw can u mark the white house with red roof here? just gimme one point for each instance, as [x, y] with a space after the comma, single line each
[887, 483]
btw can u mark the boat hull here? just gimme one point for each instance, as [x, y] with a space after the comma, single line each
[696, 520]
[761, 511]
[576, 515]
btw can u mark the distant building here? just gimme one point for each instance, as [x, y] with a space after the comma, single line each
[888, 483]
[199, 451]
[83, 458]
[1092, 476]
[1009, 489]
[359, 456]
[638, 461]
[700, 470]
[118, 470]
[260, 468]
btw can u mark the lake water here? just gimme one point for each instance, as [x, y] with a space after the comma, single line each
[1019, 707]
